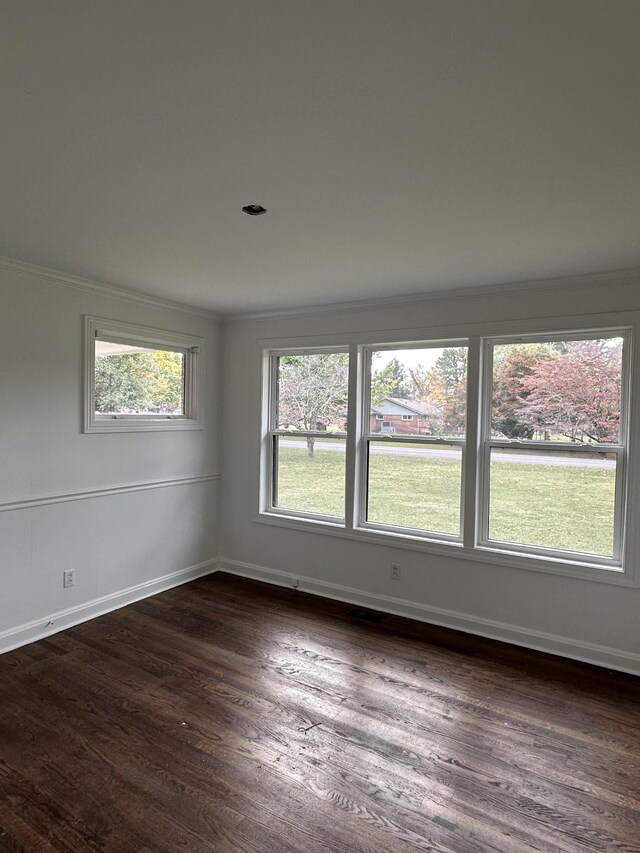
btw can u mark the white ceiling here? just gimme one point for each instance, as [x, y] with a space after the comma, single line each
[400, 146]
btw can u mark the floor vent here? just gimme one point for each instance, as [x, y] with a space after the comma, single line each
[366, 615]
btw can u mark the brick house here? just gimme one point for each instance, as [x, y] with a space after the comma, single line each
[408, 417]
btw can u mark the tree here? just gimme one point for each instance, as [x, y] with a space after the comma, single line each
[139, 382]
[512, 364]
[421, 383]
[399, 378]
[577, 394]
[166, 379]
[452, 367]
[454, 410]
[448, 379]
[384, 382]
[312, 392]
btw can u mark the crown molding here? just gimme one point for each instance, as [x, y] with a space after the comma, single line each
[79, 283]
[599, 279]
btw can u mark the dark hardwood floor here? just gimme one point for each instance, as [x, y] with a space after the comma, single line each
[226, 715]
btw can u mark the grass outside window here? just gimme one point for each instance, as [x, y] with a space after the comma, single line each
[563, 507]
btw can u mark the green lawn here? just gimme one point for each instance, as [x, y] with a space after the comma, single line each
[558, 507]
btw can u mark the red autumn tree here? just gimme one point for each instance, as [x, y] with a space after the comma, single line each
[577, 393]
[512, 365]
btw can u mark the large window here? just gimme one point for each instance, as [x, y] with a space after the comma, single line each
[307, 432]
[553, 444]
[413, 471]
[514, 447]
[139, 378]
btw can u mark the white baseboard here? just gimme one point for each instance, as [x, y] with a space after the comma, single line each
[617, 659]
[54, 622]
[604, 656]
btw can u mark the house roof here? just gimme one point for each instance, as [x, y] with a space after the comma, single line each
[414, 407]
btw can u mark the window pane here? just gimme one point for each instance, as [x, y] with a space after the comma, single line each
[133, 380]
[419, 391]
[312, 391]
[415, 486]
[558, 391]
[309, 474]
[553, 499]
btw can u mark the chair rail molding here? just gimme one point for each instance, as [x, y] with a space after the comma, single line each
[91, 494]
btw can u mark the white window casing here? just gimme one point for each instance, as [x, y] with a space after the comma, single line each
[274, 433]
[121, 334]
[367, 437]
[473, 542]
[488, 443]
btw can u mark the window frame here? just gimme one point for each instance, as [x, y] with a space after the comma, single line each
[366, 437]
[487, 442]
[115, 331]
[273, 433]
[470, 551]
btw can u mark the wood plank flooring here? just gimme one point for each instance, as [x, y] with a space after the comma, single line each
[227, 715]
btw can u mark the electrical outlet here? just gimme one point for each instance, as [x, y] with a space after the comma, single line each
[396, 571]
[68, 577]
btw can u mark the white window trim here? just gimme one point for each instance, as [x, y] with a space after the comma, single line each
[407, 417]
[120, 332]
[470, 550]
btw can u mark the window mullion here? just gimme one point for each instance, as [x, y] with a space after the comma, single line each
[273, 478]
[361, 437]
[470, 450]
[483, 441]
[352, 461]
[619, 504]
[622, 530]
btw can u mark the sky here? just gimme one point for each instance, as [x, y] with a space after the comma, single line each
[408, 357]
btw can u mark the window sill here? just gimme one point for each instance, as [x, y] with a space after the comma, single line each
[455, 550]
[125, 424]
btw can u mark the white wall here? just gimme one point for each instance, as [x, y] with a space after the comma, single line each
[576, 617]
[137, 537]
[90, 502]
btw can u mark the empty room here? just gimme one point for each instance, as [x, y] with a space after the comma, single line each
[320, 443]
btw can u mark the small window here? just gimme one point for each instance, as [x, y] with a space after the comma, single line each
[139, 378]
[407, 417]
[379, 417]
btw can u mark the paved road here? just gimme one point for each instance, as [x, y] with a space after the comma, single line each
[551, 459]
